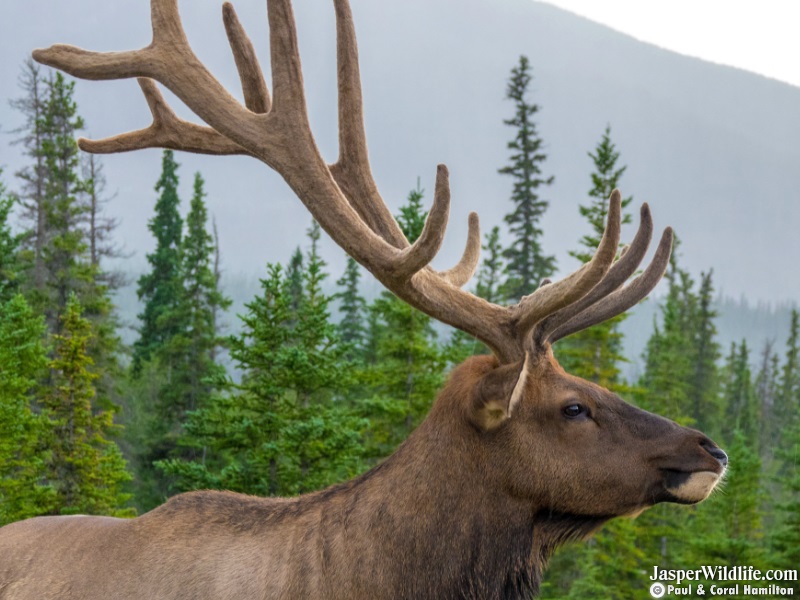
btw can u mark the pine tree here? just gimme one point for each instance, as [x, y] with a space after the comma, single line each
[787, 399]
[605, 179]
[161, 288]
[786, 532]
[352, 306]
[23, 492]
[100, 228]
[408, 362]
[86, 469]
[767, 382]
[188, 352]
[9, 247]
[739, 395]
[283, 430]
[527, 263]
[728, 529]
[64, 249]
[492, 270]
[33, 199]
[596, 353]
[704, 391]
[669, 355]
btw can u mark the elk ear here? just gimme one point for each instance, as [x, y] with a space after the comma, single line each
[497, 394]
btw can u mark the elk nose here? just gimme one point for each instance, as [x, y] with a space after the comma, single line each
[716, 452]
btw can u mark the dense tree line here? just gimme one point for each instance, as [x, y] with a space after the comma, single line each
[303, 399]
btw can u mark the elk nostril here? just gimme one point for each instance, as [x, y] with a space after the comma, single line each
[717, 453]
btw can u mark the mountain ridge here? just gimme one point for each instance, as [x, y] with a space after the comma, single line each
[709, 146]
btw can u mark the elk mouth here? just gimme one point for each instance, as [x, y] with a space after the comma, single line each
[689, 487]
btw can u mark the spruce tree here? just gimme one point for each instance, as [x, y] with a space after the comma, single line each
[787, 399]
[596, 353]
[605, 179]
[786, 532]
[66, 269]
[767, 382]
[528, 265]
[188, 352]
[704, 391]
[352, 307]
[408, 362]
[24, 491]
[100, 227]
[729, 525]
[9, 247]
[284, 429]
[85, 467]
[669, 354]
[33, 177]
[492, 269]
[739, 396]
[161, 288]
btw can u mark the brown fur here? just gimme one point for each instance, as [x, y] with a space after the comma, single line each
[457, 512]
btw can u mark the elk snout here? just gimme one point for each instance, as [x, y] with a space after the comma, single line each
[715, 451]
[697, 478]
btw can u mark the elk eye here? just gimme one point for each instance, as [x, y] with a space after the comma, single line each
[572, 411]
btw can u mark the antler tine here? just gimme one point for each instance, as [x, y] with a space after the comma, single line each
[552, 297]
[170, 60]
[352, 135]
[352, 170]
[422, 251]
[343, 197]
[287, 76]
[256, 94]
[622, 299]
[166, 131]
[465, 269]
[617, 275]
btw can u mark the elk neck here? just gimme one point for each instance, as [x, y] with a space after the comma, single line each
[435, 512]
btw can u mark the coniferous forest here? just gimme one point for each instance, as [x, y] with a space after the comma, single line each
[292, 399]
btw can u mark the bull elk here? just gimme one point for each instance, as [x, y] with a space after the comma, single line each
[516, 455]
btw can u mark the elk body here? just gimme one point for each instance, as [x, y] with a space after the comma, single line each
[515, 457]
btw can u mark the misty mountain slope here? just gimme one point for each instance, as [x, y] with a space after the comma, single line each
[711, 148]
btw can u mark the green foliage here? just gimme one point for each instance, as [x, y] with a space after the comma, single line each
[679, 349]
[596, 353]
[739, 395]
[605, 179]
[160, 289]
[492, 270]
[407, 363]
[9, 245]
[23, 492]
[527, 263]
[284, 429]
[786, 532]
[179, 337]
[787, 399]
[86, 469]
[56, 263]
[352, 307]
[188, 352]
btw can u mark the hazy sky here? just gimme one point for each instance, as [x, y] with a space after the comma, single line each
[759, 36]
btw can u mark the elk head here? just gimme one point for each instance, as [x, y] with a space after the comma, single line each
[561, 445]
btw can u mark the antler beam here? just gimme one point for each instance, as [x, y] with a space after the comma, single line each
[343, 197]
